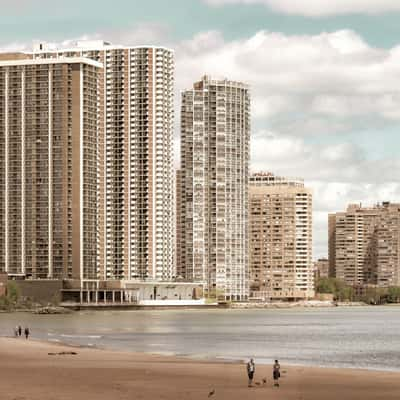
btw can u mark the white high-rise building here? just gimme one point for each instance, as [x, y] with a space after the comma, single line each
[136, 177]
[215, 132]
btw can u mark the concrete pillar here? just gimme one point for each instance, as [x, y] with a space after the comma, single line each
[122, 296]
[105, 297]
[88, 296]
[97, 297]
[113, 296]
[81, 296]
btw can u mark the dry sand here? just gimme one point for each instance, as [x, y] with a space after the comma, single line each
[27, 372]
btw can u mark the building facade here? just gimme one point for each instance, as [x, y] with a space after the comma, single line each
[321, 268]
[48, 167]
[280, 221]
[136, 178]
[215, 132]
[365, 244]
[178, 225]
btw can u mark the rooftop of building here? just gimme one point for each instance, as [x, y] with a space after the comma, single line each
[269, 179]
[86, 45]
[207, 80]
[43, 61]
[360, 208]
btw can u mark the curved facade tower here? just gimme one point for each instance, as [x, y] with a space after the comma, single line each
[215, 129]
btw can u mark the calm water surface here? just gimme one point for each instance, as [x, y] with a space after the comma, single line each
[359, 337]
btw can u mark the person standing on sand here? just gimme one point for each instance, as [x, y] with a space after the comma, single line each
[251, 368]
[27, 332]
[19, 330]
[276, 373]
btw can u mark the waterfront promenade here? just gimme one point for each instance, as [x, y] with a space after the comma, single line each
[28, 372]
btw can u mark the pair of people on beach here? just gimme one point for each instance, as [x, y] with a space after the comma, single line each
[276, 372]
[18, 331]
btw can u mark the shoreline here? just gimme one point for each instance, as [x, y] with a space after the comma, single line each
[29, 372]
[192, 357]
[235, 306]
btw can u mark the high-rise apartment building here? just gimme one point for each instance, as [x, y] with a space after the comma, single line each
[136, 177]
[280, 234]
[332, 244]
[364, 244]
[48, 167]
[385, 271]
[352, 232]
[215, 130]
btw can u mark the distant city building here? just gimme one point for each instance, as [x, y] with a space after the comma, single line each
[136, 178]
[48, 167]
[215, 133]
[321, 268]
[364, 244]
[280, 220]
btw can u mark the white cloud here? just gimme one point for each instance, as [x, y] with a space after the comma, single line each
[320, 8]
[329, 163]
[321, 82]
[141, 35]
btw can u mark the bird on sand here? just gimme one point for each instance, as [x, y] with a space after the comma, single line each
[211, 393]
[264, 381]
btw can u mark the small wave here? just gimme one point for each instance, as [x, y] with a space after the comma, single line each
[81, 336]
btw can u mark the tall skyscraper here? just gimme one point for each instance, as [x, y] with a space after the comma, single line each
[280, 225]
[364, 244]
[48, 167]
[136, 177]
[215, 131]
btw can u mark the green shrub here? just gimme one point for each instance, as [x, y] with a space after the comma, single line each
[13, 293]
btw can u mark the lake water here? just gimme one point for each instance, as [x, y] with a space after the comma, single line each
[354, 337]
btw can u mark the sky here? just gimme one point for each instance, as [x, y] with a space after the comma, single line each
[324, 78]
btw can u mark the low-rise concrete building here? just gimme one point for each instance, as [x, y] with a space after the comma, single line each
[125, 292]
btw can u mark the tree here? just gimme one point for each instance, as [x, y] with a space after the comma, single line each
[325, 285]
[338, 288]
[13, 293]
[393, 294]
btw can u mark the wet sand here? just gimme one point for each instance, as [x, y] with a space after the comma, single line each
[28, 372]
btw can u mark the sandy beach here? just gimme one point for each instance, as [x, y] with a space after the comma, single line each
[28, 372]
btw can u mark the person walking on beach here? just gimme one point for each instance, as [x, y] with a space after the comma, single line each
[27, 332]
[251, 368]
[276, 373]
[19, 330]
